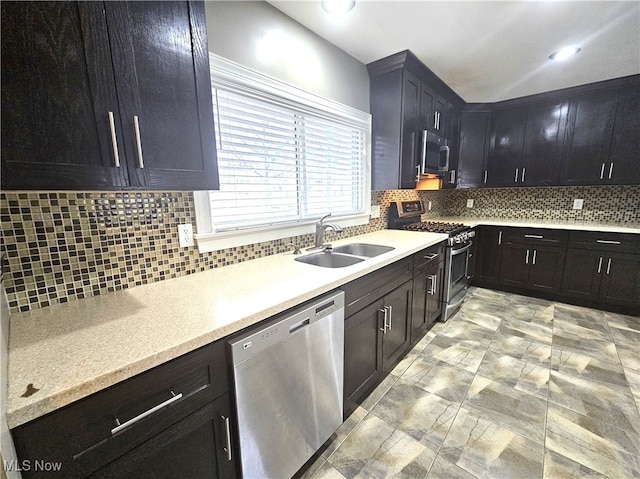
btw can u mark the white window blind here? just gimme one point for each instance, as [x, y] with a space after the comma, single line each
[282, 163]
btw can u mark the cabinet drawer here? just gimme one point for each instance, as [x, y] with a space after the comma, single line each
[535, 236]
[616, 242]
[424, 259]
[85, 435]
[363, 291]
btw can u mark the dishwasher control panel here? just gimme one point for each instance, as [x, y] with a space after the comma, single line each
[292, 322]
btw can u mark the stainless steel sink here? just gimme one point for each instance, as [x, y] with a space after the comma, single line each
[363, 249]
[344, 255]
[330, 259]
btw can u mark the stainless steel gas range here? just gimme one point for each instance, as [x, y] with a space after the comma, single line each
[405, 215]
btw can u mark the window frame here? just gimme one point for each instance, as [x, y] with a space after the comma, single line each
[239, 78]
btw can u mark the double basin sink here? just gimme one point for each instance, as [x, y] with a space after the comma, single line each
[344, 255]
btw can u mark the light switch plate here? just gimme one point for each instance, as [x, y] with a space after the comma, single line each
[577, 204]
[185, 235]
[470, 203]
[375, 211]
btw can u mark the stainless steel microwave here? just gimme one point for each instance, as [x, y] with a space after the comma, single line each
[434, 157]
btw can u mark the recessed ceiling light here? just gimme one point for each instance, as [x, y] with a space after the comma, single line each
[338, 7]
[564, 53]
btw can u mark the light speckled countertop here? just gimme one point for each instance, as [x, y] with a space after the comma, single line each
[566, 225]
[69, 351]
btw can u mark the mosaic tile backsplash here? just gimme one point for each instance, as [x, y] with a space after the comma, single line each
[64, 246]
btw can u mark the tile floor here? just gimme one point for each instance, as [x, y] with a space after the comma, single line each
[511, 387]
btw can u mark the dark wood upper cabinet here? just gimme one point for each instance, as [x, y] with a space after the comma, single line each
[472, 156]
[588, 138]
[541, 149]
[406, 99]
[505, 147]
[57, 90]
[624, 158]
[106, 95]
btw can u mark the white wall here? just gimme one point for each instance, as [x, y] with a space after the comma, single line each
[260, 37]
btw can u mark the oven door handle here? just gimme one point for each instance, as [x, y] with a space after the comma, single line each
[461, 250]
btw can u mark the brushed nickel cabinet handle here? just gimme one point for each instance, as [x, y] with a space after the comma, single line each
[384, 320]
[526, 261]
[418, 175]
[136, 127]
[499, 238]
[114, 140]
[609, 266]
[390, 315]
[485, 176]
[610, 170]
[534, 236]
[607, 242]
[227, 430]
[119, 427]
[516, 178]
[602, 171]
[524, 170]
[534, 256]
[600, 265]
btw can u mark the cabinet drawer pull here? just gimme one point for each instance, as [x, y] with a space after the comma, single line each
[114, 140]
[227, 432]
[434, 280]
[431, 256]
[602, 172]
[534, 256]
[610, 170]
[608, 242]
[534, 236]
[516, 178]
[499, 238]
[435, 120]
[609, 266]
[526, 261]
[136, 127]
[119, 427]
[524, 170]
[384, 320]
[390, 316]
[600, 265]
[485, 176]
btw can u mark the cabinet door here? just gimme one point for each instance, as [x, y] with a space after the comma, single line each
[542, 144]
[545, 268]
[362, 354]
[488, 253]
[410, 131]
[624, 166]
[396, 339]
[514, 264]
[162, 73]
[435, 280]
[505, 147]
[474, 141]
[419, 305]
[582, 274]
[588, 139]
[440, 107]
[57, 92]
[427, 108]
[194, 447]
[620, 279]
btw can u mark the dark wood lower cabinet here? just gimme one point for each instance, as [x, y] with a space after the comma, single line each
[363, 354]
[534, 267]
[595, 269]
[194, 447]
[602, 277]
[427, 299]
[397, 337]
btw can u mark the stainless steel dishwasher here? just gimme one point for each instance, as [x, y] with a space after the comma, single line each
[288, 385]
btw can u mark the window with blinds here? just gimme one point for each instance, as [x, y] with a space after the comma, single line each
[281, 163]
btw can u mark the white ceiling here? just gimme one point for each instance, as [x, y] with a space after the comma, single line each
[488, 51]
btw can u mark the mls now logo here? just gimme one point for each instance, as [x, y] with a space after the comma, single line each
[26, 465]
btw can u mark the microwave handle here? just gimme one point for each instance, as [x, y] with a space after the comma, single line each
[424, 152]
[448, 150]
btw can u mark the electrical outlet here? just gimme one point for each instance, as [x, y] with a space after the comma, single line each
[470, 203]
[577, 204]
[185, 235]
[375, 211]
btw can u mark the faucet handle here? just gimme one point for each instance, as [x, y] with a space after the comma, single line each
[296, 248]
